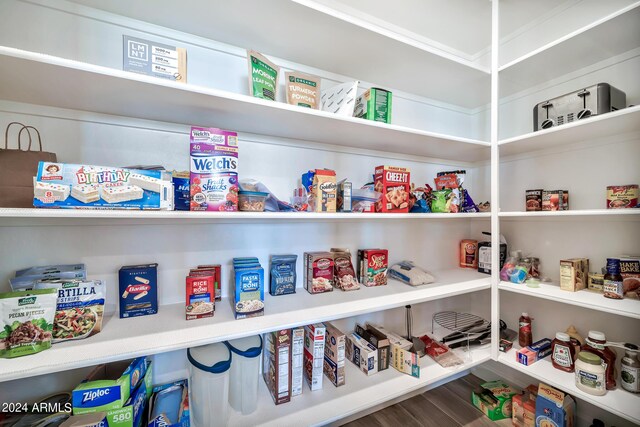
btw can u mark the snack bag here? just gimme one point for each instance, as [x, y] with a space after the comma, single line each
[303, 90]
[263, 76]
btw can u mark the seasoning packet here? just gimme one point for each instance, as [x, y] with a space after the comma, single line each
[263, 76]
[26, 319]
[282, 275]
[79, 308]
[302, 89]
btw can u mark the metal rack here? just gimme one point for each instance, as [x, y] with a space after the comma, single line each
[464, 323]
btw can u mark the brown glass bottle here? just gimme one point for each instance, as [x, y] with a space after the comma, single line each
[595, 343]
[612, 285]
[525, 334]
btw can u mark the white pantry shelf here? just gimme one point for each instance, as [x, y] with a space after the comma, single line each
[168, 330]
[310, 33]
[33, 216]
[618, 401]
[612, 35]
[632, 214]
[585, 298]
[622, 122]
[27, 76]
[359, 393]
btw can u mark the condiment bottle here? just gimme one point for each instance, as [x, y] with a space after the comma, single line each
[563, 354]
[525, 335]
[612, 285]
[630, 367]
[576, 339]
[590, 374]
[595, 344]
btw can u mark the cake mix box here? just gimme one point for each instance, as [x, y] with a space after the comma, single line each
[214, 170]
[70, 186]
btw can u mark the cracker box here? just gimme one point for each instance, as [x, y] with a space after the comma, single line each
[324, 191]
[393, 182]
[138, 286]
[69, 186]
[334, 355]
[200, 297]
[214, 170]
[554, 408]
[249, 289]
[297, 360]
[372, 266]
[362, 353]
[216, 271]
[276, 368]
[318, 272]
[574, 274]
[314, 338]
[175, 390]
[494, 399]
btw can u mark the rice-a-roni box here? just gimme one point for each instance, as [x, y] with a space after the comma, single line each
[71, 186]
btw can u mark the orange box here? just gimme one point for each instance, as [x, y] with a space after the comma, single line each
[394, 183]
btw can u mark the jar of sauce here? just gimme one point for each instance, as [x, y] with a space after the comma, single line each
[525, 336]
[563, 354]
[590, 376]
[612, 284]
[595, 343]
[630, 367]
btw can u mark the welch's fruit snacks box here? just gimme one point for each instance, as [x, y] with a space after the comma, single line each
[214, 170]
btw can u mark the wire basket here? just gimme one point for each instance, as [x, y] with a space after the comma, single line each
[458, 322]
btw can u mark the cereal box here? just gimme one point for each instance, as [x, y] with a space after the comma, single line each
[201, 299]
[393, 182]
[318, 272]
[214, 170]
[324, 191]
[379, 341]
[334, 355]
[554, 408]
[362, 353]
[276, 365]
[69, 186]
[314, 338]
[138, 290]
[297, 360]
[249, 289]
[372, 266]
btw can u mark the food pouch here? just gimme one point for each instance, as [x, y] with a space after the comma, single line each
[282, 277]
[441, 201]
[302, 90]
[263, 76]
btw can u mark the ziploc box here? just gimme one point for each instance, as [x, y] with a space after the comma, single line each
[214, 170]
[138, 286]
[494, 399]
[158, 405]
[554, 408]
[70, 186]
[123, 395]
[249, 288]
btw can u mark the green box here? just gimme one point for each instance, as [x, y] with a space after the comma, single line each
[374, 104]
[494, 399]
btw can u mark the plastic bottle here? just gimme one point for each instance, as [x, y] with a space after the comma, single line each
[525, 334]
[563, 354]
[590, 374]
[595, 344]
[630, 367]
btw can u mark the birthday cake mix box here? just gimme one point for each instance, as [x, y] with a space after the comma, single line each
[214, 170]
[65, 185]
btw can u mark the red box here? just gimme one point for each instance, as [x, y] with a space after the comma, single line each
[215, 271]
[372, 266]
[394, 184]
[201, 298]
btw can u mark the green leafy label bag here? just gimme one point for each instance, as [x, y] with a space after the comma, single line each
[263, 76]
[26, 322]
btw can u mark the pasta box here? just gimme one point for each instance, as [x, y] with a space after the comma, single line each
[138, 285]
[169, 405]
[393, 182]
[494, 399]
[554, 407]
[249, 288]
[123, 395]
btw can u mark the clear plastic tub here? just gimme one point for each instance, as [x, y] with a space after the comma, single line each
[252, 201]
[245, 373]
[209, 384]
[364, 200]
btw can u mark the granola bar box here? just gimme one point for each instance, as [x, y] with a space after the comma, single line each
[70, 186]
[393, 182]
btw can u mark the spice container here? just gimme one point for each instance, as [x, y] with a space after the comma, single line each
[590, 374]
[612, 283]
[252, 201]
[595, 344]
[630, 367]
[563, 353]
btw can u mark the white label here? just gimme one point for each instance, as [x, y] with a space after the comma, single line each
[629, 376]
[283, 371]
[484, 258]
[171, 53]
[562, 356]
[161, 69]
[163, 60]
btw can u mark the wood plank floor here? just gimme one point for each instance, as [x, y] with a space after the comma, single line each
[447, 405]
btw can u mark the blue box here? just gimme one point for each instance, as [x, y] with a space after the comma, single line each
[176, 406]
[554, 408]
[181, 192]
[249, 290]
[138, 286]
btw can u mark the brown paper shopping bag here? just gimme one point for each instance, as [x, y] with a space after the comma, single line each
[18, 167]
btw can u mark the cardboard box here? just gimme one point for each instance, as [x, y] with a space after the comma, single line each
[494, 399]
[534, 352]
[314, 339]
[344, 196]
[249, 289]
[181, 190]
[555, 200]
[554, 408]
[394, 184]
[529, 413]
[574, 274]
[324, 191]
[372, 266]
[379, 341]
[334, 355]
[122, 395]
[216, 271]
[138, 286]
[200, 296]
[318, 272]
[97, 419]
[533, 200]
[374, 104]
[297, 360]
[160, 420]
[362, 353]
[276, 369]
[523, 407]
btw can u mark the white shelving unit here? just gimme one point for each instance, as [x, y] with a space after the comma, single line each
[73, 89]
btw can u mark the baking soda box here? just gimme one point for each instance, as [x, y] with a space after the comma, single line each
[214, 170]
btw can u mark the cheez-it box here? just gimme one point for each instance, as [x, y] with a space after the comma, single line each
[393, 182]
